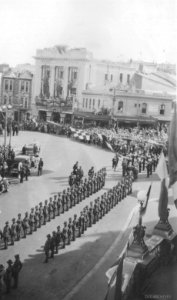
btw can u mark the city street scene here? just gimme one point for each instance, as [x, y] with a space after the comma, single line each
[88, 150]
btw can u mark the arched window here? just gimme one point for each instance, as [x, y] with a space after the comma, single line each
[120, 106]
[144, 108]
[162, 109]
[83, 104]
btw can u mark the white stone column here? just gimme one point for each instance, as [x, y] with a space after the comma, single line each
[52, 74]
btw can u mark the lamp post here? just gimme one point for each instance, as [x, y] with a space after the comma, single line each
[5, 108]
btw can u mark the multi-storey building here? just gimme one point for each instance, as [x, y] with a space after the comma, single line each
[16, 90]
[62, 74]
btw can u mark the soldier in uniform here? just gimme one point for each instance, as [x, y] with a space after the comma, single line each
[16, 268]
[59, 204]
[58, 238]
[45, 211]
[55, 206]
[36, 218]
[74, 225]
[18, 229]
[47, 248]
[25, 224]
[31, 221]
[53, 243]
[64, 234]
[6, 233]
[69, 230]
[63, 201]
[40, 214]
[13, 231]
[50, 209]
[8, 276]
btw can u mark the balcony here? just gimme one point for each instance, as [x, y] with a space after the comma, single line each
[57, 104]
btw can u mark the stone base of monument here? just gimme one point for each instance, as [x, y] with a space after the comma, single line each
[164, 230]
[136, 250]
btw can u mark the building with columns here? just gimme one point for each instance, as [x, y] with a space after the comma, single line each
[61, 74]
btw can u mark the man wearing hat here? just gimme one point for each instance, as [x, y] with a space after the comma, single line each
[16, 268]
[13, 231]
[2, 273]
[6, 233]
[47, 248]
[8, 276]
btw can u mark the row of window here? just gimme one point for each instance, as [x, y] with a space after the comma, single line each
[59, 72]
[23, 101]
[106, 77]
[23, 85]
[90, 103]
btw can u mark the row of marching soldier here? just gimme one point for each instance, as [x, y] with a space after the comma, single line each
[76, 226]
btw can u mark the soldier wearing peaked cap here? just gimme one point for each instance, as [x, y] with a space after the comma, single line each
[13, 231]
[47, 248]
[25, 224]
[53, 243]
[59, 204]
[45, 211]
[40, 214]
[6, 233]
[16, 268]
[58, 238]
[69, 230]
[64, 234]
[8, 276]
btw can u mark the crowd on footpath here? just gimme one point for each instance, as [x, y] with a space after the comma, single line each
[7, 156]
[121, 139]
[44, 212]
[9, 276]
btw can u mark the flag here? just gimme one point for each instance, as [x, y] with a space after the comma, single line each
[114, 291]
[161, 169]
[163, 174]
[144, 208]
[163, 200]
[172, 155]
[109, 146]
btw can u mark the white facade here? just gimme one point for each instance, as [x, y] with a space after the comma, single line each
[62, 73]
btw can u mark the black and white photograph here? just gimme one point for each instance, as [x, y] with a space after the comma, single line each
[88, 149]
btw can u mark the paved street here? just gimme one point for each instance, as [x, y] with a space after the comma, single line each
[77, 272]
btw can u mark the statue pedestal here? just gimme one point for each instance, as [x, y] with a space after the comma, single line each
[164, 230]
[137, 250]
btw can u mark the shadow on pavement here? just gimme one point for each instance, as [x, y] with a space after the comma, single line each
[55, 279]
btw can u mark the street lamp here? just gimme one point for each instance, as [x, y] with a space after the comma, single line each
[5, 108]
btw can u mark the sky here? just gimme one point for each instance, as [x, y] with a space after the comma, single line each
[111, 29]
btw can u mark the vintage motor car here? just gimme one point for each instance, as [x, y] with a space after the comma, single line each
[13, 168]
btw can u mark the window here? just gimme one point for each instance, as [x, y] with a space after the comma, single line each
[162, 109]
[128, 78]
[27, 86]
[83, 104]
[93, 103]
[144, 108]
[10, 85]
[10, 100]
[6, 85]
[135, 105]
[111, 77]
[22, 85]
[86, 103]
[75, 75]
[120, 106]
[90, 102]
[73, 91]
[5, 99]
[26, 102]
[21, 101]
[61, 74]
[121, 77]
[98, 103]
[106, 76]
